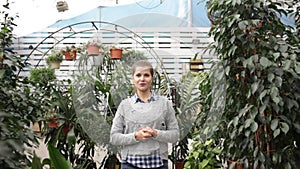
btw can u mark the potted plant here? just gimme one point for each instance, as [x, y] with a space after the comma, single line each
[187, 108]
[66, 131]
[69, 52]
[93, 48]
[115, 52]
[260, 65]
[54, 59]
[196, 64]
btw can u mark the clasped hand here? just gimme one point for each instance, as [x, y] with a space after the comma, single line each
[145, 133]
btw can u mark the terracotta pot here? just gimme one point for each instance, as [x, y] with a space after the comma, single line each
[70, 57]
[93, 50]
[116, 53]
[237, 165]
[53, 123]
[179, 165]
[55, 65]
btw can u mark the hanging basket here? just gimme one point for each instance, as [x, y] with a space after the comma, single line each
[62, 6]
[55, 65]
[93, 50]
[70, 55]
[116, 53]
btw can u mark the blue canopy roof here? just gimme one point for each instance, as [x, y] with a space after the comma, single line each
[147, 13]
[152, 13]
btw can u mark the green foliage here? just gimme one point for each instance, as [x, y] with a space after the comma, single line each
[42, 75]
[16, 103]
[57, 159]
[203, 154]
[187, 106]
[260, 58]
[69, 132]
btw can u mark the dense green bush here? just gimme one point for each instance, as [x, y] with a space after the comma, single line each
[260, 60]
[42, 75]
[16, 104]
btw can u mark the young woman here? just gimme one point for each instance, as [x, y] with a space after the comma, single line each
[144, 124]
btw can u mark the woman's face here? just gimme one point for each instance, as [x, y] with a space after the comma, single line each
[142, 79]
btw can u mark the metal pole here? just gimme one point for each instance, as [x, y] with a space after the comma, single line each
[190, 12]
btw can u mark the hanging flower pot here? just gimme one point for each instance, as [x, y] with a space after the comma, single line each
[116, 53]
[54, 59]
[70, 55]
[93, 50]
[55, 65]
[62, 6]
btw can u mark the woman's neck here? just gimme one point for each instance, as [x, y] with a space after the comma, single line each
[144, 96]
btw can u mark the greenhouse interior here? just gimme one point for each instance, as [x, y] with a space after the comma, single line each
[229, 69]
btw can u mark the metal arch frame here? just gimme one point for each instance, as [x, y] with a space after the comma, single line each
[94, 27]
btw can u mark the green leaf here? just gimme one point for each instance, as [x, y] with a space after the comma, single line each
[248, 123]
[71, 138]
[287, 65]
[254, 126]
[276, 133]
[254, 87]
[297, 68]
[235, 121]
[283, 48]
[204, 163]
[2, 73]
[284, 127]
[261, 157]
[242, 25]
[271, 76]
[274, 124]
[36, 162]
[276, 55]
[57, 159]
[278, 81]
[274, 94]
[262, 95]
[265, 62]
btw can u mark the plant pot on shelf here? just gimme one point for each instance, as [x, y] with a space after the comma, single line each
[70, 55]
[93, 50]
[116, 53]
[55, 65]
[196, 66]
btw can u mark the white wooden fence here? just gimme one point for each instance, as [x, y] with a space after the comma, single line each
[173, 47]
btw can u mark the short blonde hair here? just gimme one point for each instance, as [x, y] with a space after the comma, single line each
[142, 63]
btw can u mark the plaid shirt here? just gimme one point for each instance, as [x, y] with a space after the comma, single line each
[145, 161]
[151, 161]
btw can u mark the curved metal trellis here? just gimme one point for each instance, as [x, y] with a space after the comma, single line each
[115, 29]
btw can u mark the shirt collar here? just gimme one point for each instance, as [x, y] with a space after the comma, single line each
[136, 99]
